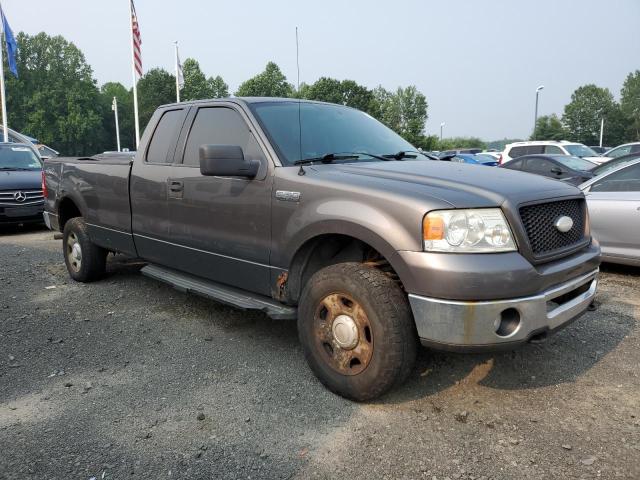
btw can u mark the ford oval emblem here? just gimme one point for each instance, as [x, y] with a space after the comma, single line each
[564, 224]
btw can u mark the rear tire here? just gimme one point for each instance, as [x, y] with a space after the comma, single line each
[85, 261]
[356, 330]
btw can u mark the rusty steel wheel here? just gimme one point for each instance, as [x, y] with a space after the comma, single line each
[344, 333]
[356, 330]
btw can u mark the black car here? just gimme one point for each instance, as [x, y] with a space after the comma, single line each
[21, 198]
[573, 170]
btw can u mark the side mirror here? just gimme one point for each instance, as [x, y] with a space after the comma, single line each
[226, 161]
[556, 170]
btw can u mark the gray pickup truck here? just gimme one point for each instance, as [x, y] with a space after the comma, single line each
[319, 212]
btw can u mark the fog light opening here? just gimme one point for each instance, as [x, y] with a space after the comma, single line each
[509, 322]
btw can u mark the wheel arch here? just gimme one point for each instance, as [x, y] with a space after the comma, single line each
[321, 246]
[68, 208]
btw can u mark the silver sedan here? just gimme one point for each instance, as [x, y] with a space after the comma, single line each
[613, 199]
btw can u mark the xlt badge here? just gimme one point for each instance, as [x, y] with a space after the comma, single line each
[287, 196]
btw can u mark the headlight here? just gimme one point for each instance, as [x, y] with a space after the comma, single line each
[471, 231]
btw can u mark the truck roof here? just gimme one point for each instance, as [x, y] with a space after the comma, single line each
[248, 100]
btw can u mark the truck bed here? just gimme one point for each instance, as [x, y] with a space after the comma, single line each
[99, 186]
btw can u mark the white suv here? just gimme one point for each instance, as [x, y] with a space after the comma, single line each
[518, 149]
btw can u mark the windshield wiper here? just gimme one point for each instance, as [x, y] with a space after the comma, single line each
[328, 158]
[15, 168]
[401, 155]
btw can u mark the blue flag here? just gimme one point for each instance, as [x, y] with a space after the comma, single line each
[12, 45]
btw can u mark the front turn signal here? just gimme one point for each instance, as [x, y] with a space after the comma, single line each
[432, 228]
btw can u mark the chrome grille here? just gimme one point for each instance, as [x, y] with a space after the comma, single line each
[31, 197]
[539, 223]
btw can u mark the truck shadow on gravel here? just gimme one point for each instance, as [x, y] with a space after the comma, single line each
[16, 230]
[562, 358]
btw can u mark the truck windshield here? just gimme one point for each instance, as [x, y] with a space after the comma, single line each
[325, 129]
[16, 157]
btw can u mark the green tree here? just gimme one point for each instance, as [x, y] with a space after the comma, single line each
[549, 127]
[218, 87]
[157, 87]
[270, 83]
[428, 142]
[55, 97]
[196, 86]
[582, 116]
[630, 104]
[404, 111]
[460, 142]
[324, 89]
[125, 115]
[345, 92]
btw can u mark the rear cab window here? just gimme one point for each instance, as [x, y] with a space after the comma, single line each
[163, 142]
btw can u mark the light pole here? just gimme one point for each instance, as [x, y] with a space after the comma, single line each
[441, 125]
[114, 107]
[535, 118]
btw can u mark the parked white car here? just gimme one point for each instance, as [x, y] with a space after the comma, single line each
[550, 147]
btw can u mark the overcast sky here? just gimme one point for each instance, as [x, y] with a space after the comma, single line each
[477, 61]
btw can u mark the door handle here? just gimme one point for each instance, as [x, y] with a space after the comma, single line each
[176, 186]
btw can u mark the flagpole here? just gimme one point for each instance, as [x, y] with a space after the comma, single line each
[133, 71]
[177, 75]
[115, 111]
[3, 99]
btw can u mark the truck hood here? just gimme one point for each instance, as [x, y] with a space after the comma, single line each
[463, 185]
[20, 180]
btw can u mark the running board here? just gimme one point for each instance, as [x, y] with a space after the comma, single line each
[220, 293]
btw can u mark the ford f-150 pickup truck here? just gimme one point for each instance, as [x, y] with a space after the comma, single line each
[319, 212]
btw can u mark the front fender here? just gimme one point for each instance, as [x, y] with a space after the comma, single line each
[361, 221]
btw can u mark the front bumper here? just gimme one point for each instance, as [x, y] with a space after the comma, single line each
[21, 214]
[488, 325]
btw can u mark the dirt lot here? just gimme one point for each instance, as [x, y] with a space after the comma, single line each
[127, 378]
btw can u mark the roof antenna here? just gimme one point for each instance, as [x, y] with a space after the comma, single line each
[301, 171]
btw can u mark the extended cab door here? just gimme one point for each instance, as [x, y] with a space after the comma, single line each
[149, 188]
[221, 225]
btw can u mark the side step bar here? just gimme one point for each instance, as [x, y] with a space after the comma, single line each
[220, 293]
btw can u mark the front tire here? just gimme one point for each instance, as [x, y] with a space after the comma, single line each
[85, 261]
[356, 330]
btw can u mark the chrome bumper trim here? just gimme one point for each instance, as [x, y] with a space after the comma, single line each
[464, 323]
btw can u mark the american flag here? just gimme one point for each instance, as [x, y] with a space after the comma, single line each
[137, 40]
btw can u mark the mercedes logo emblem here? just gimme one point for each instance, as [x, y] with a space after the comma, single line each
[19, 197]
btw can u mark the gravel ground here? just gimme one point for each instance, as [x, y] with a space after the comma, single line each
[128, 378]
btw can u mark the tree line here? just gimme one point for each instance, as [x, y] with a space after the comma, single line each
[56, 100]
[589, 106]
